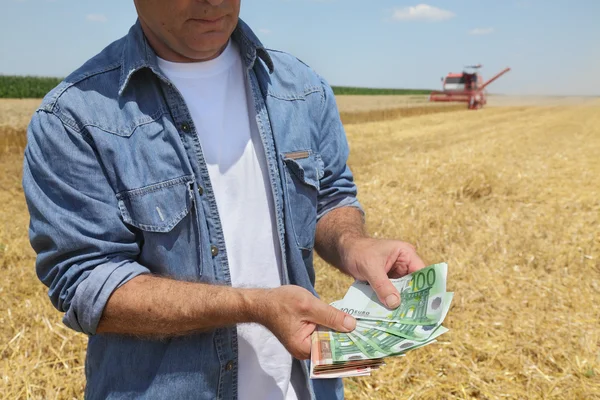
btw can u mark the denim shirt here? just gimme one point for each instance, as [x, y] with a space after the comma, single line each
[117, 186]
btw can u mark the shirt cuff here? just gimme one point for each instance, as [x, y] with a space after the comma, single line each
[93, 293]
[342, 201]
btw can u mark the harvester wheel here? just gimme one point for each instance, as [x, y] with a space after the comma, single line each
[472, 103]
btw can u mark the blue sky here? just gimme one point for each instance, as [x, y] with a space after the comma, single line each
[553, 46]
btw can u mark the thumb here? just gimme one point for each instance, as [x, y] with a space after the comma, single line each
[386, 291]
[330, 317]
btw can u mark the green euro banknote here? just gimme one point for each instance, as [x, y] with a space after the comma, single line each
[387, 344]
[411, 331]
[360, 346]
[420, 293]
[329, 348]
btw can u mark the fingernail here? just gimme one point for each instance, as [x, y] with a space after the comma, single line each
[392, 301]
[349, 323]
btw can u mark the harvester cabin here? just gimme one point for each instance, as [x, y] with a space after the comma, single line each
[461, 82]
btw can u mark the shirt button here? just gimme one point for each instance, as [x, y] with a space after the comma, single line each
[185, 128]
[200, 190]
[214, 250]
[229, 366]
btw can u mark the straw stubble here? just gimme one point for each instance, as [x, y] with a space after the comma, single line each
[508, 196]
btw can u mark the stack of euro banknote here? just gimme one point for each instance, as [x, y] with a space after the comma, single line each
[381, 332]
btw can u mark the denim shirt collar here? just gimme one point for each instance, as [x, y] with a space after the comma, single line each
[137, 53]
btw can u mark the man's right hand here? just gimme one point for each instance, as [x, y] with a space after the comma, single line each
[157, 307]
[292, 314]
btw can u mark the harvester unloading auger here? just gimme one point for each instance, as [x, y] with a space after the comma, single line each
[465, 87]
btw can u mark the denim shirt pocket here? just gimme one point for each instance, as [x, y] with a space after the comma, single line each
[158, 207]
[164, 213]
[303, 170]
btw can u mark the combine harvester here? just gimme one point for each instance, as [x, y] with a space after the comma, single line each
[465, 87]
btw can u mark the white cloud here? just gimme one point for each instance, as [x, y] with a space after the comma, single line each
[481, 31]
[265, 31]
[96, 17]
[421, 12]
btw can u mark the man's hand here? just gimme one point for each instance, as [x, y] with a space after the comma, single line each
[342, 241]
[292, 314]
[377, 260]
[156, 307]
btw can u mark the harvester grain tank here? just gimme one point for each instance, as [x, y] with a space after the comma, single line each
[465, 87]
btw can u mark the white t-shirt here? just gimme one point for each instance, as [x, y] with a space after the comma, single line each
[217, 95]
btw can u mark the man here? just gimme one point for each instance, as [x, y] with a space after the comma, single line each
[178, 183]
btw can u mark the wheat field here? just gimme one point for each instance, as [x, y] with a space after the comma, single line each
[509, 196]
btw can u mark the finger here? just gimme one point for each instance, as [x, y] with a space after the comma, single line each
[331, 317]
[386, 291]
[406, 262]
[395, 274]
[303, 352]
[415, 263]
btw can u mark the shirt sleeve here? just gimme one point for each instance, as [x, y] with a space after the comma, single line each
[337, 187]
[84, 250]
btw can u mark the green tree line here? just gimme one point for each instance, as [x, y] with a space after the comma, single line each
[374, 91]
[22, 87]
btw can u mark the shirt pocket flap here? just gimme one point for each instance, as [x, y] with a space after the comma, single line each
[158, 207]
[307, 167]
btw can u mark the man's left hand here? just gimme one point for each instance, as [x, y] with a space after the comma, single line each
[378, 260]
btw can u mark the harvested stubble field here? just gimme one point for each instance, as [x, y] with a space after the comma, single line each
[508, 196]
[359, 108]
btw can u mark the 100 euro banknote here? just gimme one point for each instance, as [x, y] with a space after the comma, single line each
[421, 298]
[380, 344]
[412, 331]
[360, 345]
